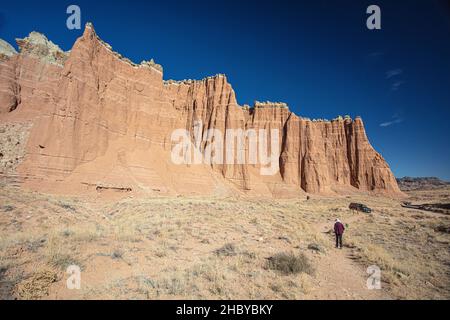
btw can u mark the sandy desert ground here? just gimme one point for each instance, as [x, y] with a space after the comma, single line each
[219, 248]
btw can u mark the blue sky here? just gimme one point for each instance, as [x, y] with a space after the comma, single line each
[317, 56]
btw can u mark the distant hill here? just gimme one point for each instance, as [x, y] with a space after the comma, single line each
[421, 183]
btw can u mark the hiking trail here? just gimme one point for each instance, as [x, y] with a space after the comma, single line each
[338, 276]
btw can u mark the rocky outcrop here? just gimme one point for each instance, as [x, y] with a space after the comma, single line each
[101, 120]
[29, 78]
[36, 44]
[6, 49]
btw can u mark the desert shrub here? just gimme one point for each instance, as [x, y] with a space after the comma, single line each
[117, 254]
[227, 250]
[62, 260]
[37, 286]
[34, 244]
[4, 266]
[7, 208]
[289, 263]
[67, 206]
[67, 233]
[442, 228]
[58, 256]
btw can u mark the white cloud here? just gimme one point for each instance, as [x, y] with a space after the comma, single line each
[396, 85]
[396, 120]
[393, 73]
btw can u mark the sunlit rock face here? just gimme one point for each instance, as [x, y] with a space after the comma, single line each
[101, 122]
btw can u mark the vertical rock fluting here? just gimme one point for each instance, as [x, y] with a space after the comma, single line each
[321, 155]
[101, 120]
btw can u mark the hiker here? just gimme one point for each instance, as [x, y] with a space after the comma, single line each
[338, 231]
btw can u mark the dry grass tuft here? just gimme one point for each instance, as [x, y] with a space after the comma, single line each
[37, 285]
[58, 256]
[117, 254]
[7, 208]
[289, 263]
[228, 250]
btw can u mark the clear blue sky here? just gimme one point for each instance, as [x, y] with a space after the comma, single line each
[318, 56]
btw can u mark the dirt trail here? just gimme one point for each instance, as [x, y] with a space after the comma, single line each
[340, 277]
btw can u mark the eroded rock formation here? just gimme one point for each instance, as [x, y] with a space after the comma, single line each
[101, 121]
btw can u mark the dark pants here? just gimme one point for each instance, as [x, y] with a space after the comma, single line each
[338, 240]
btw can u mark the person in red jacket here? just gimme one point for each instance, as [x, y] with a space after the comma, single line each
[338, 231]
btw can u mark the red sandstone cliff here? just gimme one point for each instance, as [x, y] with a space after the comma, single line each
[100, 121]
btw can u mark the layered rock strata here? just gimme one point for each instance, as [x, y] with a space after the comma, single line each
[101, 121]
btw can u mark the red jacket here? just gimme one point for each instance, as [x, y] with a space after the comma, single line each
[339, 228]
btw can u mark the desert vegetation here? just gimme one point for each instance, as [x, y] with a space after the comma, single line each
[217, 248]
